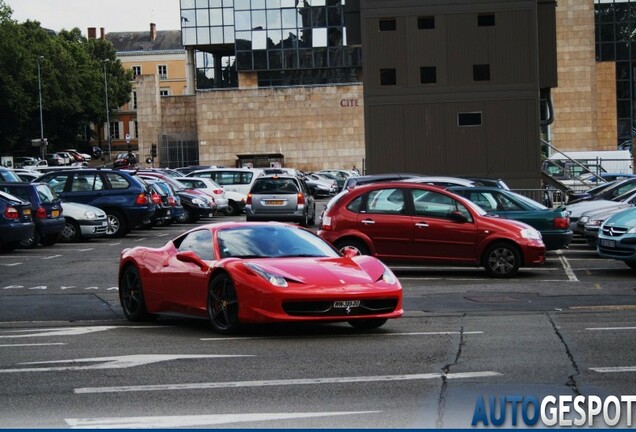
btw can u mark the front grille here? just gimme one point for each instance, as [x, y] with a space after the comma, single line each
[325, 308]
[614, 231]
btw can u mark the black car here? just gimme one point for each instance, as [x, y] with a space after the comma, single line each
[46, 211]
[122, 196]
[164, 204]
[16, 223]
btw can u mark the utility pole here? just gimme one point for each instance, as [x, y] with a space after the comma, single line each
[107, 111]
[42, 141]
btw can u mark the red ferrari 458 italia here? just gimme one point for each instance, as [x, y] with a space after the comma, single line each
[245, 272]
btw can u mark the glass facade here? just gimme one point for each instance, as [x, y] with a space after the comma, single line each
[287, 42]
[615, 23]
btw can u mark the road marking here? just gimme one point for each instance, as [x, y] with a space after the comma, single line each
[609, 328]
[120, 362]
[169, 422]
[40, 287]
[566, 266]
[355, 336]
[13, 287]
[51, 257]
[113, 244]
[269, 383]
[614, 369]
[65, 331]
[112, 289]
[162, 235]
[91, 288]
[33, 344]
[11, 264]
[67, 287]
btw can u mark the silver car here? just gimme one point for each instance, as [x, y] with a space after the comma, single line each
[82, 222]
[282, 198]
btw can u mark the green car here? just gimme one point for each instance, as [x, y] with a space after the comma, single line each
[554, 225]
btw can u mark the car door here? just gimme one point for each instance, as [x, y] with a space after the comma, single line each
[384, 220]
[437, 235]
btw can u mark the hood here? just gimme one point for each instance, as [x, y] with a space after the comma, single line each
[324, 271]
[625, 218]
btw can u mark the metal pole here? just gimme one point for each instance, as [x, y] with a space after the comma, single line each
[42, 147]
[107, 111]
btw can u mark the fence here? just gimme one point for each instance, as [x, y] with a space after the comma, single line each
[548, 197]
[178, 150]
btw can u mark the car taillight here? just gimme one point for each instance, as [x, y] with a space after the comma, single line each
[248, 201]
[217, 191]
[142, 199]
[40, 213]
[11, 213]
[171, 202]
[300, 198]
[326, 223]
[156, 198]
[561, 222]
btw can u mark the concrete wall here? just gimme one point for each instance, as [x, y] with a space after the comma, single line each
[606, 130]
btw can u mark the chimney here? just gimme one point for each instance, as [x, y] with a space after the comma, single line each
[102, 33]
[153, 32]
[91, 32]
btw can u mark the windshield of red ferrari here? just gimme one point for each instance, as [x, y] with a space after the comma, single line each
[263, 241]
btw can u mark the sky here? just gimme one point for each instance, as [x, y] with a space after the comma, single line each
[113, 15]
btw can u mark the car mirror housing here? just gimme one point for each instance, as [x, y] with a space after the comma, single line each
[191, 257]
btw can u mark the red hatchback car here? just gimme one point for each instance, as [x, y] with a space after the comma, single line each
[423, 223]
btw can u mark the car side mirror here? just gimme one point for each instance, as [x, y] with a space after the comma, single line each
[191, 257]
[457, 216]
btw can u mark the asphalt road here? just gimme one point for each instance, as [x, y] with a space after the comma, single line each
[69, 359]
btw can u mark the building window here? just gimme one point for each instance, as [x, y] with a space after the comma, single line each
[387, 24]
[136, 128]
[162, 71]
[426, 23]
[134, 100]
[428, 75]
[486, 20]
[388, 77]
[136, 71]
[114, 130]
[481, 72]
[164, 92]
[469, 119]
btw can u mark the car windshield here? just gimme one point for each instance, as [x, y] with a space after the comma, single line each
[262, 241]
[275, 186]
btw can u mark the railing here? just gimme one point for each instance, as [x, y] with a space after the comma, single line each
[549, 197]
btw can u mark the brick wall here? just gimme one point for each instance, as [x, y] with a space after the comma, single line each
[606, 133]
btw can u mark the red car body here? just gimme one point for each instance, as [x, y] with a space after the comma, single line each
[423, 223]
[307, 280]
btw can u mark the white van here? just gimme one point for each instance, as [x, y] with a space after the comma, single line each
[232, 179]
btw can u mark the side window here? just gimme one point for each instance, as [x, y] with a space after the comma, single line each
[117, 181]
[199, 242]
[507, 204]
[385, 201]
[437, 205]
[57, 182]
[85, 182]
[484, 200]
[355, 205]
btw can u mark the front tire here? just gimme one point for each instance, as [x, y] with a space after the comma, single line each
[223, 305]
[131, 296]
[116, 224]
[501, 260]
[351, 243]
[367, 324]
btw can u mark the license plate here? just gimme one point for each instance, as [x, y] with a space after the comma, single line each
[27, 212]
[55, 213]
[275, 202]
[346, 303]
[607, 243]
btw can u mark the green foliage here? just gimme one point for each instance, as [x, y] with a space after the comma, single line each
[72, 84]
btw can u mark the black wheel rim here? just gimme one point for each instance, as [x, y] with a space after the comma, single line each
[68, 233]
[131, 292]
[501, 261]
[223, 305]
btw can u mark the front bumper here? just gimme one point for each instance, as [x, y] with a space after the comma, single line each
[95, 228]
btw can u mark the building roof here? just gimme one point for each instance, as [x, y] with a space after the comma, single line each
[167, 40]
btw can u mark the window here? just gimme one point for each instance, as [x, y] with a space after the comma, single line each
[164, 92]
[387, 24]
[469, 119]
[162, 71]
[117, 181]
[134, 100]
[136, 128]
[385, 201]
[428, 75]
[114, 130]
[136, 71]
[486, 20]
[199, 242]
[426, 23]
[388, 77]
[481, 72]
[437, 205]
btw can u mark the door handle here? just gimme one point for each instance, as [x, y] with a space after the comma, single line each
[368, 222]
[421, 225]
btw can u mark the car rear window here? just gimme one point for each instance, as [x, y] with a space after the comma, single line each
[46, 194]
[275, 186]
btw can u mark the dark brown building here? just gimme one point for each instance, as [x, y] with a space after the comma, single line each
[453, 87]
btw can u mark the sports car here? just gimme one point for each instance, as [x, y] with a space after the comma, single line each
[237, 273]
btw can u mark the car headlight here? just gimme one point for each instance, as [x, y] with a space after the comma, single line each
[632, 230]
[594, 222]
[530, 233]
[388, 276]
[90, 215]
[274, 279]
[583, 220]
[199, 202]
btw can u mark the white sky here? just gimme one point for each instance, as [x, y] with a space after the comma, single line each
[113, 15]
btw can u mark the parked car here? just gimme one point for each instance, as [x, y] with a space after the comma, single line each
[126, 160]
[8, 175]
[354, 181]
[576, 210]
[82, 222]
[96, 152]
[46, 211]
[553, 224]
[27, 175]
[239, 273]
[123, 197]
[232, 179]
[590, 222]
[16, 223]
[412, 222]
[174, 200]
[164, 203]
[54, 159]
[617, 237]
[66, 157]
[280, 198]
[609, 192]
[27, 161]
[191, 168]
[320, 186]
[79, 157]
[210, 187]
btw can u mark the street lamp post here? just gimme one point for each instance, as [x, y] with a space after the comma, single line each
[42, 146]
[107, 111]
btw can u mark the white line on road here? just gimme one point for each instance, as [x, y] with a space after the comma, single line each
[614, 369]
[13, 287]
[609, 328]
[11, 264]
[169, 422]
[268, 383]
[33, 344]
[566, 266]
[355, 336]
[51, 257]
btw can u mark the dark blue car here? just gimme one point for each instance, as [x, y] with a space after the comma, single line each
[123, 197]
[16, 224]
